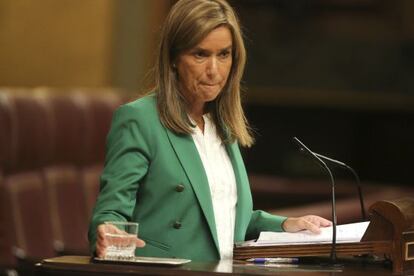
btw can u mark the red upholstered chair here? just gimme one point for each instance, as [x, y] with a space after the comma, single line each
[90, 182]
[100, 108]
[68, 210]
[5, 144]
[26, 225]
[81, 120]
[62, 177]
[32, 132]
[5, 129]
[6, 257]
[51, 154]
[30, 228]
[69, 119]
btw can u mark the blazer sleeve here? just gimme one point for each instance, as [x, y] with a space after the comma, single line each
[263, 221]
[126, 163]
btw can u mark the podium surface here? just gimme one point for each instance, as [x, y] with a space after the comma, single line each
[389, 235]
[82, 265]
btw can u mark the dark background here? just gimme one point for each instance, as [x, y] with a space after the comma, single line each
[336, 73]
[339, 76]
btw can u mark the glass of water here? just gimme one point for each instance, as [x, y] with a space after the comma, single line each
[121, 239]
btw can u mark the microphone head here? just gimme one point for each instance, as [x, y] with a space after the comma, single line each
[306, 150]
[301, 146]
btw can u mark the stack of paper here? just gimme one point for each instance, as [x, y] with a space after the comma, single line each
[345, 233]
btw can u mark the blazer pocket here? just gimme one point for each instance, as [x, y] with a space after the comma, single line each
[156, 244]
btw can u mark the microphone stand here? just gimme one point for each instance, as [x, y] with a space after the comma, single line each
[334, 223]
[303, 148]
[357, 180]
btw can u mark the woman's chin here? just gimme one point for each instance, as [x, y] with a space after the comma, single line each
[210, 98]
[210, 94]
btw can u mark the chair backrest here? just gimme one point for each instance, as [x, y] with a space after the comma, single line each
[6, 256]
[52, 148]
[62, 175]
[29, 226]
[31, 131]
[5, 130]
[100, 108]
[68, 209]
[90, 182]
[28, 127]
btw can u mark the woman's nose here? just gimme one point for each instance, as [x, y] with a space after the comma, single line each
[212, 66]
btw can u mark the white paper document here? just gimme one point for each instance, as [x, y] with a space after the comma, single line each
[352, 232]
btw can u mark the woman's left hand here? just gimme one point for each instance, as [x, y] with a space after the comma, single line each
[309, 222]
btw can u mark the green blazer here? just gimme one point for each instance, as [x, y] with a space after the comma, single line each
[155, 177]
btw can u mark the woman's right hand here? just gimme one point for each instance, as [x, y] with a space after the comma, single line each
[102, 241]
[309, 222]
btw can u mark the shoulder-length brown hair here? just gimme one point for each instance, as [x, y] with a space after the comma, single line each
[187, 24]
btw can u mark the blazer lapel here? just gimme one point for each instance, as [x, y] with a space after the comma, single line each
[187, 153]
[244, 202]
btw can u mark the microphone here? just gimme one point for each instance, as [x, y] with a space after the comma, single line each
[319, 160]
[340, 164]
[357, 180]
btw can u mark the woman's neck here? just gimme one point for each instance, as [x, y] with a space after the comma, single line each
[196, 113]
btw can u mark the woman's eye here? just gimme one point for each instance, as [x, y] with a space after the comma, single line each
[224, 54]
[199, 55]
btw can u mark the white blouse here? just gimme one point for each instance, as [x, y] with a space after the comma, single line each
[222, 182]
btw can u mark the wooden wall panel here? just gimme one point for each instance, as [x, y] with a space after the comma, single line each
[79, 43]
[56, 43]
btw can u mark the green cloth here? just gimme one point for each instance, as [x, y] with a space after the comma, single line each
[155, 177]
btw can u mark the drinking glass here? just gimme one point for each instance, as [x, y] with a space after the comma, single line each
[121, 239]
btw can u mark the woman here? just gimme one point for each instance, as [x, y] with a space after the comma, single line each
[173, 163]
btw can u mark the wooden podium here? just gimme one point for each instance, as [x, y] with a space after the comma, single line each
[390, 235]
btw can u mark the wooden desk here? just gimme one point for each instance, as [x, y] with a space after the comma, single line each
[81, 265]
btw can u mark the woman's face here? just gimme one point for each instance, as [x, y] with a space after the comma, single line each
[204, 69]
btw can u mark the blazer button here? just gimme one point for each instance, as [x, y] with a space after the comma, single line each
[177, 225]
[179, 188]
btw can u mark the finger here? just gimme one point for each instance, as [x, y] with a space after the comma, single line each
[101, 235]
[312, 227]
[326, 223]
[319, 221]
[101, 245]
[100, 251]
[102, 241]
[101, 230]
[140, 243]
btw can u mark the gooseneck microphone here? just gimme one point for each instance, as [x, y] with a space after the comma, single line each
[320, 162]
[357, 180]
[338, 163]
